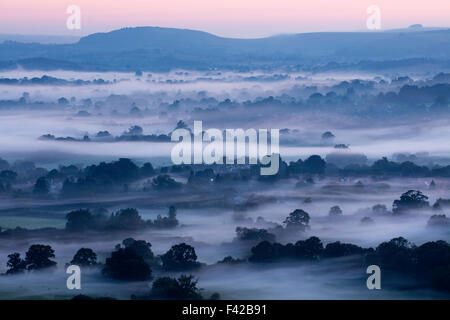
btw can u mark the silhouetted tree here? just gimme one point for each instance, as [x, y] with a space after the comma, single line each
[140, 247]
[439, 220]
[328, 135]
[297, 219]
[267, 252]
[80, 220]
[380, 209]
[410, 200]
[335, 211]
[15, 264]
[170, 221]
[396, 254]
[85, 257]
[147, 170]
[41, 187]
[38, 257]
[8, 175]
[164, 181]
[180, 257]
[367, 220]
[436, 207]
[254, 234]
[126, 264]
[338, 249]
[126, 219]
[310, 248]
[185, 287]
[314, 165]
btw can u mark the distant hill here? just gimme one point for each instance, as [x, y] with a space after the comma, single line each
[161, 49]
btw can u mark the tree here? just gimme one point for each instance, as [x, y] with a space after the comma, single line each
[180, 257]
[266, 251]
[126, 264]
[185, 287]
[38, 257]
[63, 101]
[165, 288]
[79, 220]
[103, 134]
[309, 249]
[15, 264]
[298, 219]
[116, 172]
[410, 200]
[126, 219]
[85, 257]
[432, 185]
[396, 254]
[338, 249]
[140, 247]
[188, 287]
[181, 125]
[164, 181]
[367, 221]
[147, 170]
[328, 135]
[431, 255]
[134, 131]
[8, 175]
[335, 211]
[439, 220]
[380, 209]
[314, 165]
[41, 187]
[170, 221]
[254, 234]
[436, 207]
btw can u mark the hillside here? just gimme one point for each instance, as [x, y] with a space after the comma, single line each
[157, 49]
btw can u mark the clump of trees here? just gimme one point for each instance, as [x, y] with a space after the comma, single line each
[439, 220]
[312, 165]
[165, 182]
[102, 178]
[309, 249]
[116, 176]
[170, 221]
[254, 234]
[37, 257]
[429, 263]
[124, 219]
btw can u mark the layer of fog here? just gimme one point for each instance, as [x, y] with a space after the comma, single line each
[212, 230]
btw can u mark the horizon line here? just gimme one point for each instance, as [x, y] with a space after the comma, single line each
[410, 27]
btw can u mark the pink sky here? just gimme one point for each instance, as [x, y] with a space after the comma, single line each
[232, 18]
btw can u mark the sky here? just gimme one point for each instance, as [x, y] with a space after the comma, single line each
[230, 18]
